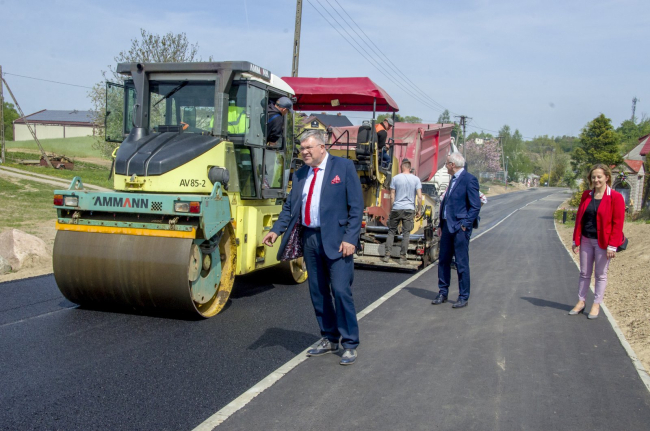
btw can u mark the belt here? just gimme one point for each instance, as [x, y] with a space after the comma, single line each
[313, 229]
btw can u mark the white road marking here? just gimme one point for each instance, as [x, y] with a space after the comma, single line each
[219, 417]
[640, 369]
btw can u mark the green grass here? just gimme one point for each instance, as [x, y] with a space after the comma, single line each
[71, 147]
[89, 173]
[25, 203]
[570, 217]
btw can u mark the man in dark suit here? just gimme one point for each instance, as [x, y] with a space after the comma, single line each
[326, 198]
[458, 214]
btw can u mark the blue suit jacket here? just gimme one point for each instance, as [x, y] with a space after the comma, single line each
[463, 203]
[341, 206]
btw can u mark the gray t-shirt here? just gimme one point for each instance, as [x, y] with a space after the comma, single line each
[405, 186]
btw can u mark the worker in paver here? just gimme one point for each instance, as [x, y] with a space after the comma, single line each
[382, 138]
[405, 206]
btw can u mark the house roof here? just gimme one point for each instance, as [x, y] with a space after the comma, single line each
[58, 117]
[635, 165]
[646, 148]
[331, 120]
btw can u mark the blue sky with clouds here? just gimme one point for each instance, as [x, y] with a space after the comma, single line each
[543, 67]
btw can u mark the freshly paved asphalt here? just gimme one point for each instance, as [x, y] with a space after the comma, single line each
[512, 360]
[62, 367]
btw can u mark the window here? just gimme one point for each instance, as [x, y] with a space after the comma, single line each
[245, 171]
[181, 105]
[273, 170]
[120, 100]
[247, 113]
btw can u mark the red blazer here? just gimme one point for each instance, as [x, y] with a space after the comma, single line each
[609, 219]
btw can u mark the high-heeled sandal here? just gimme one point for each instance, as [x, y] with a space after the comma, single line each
[593, 316]
[576, 312]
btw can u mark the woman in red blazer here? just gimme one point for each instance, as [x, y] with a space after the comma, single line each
[598, 233]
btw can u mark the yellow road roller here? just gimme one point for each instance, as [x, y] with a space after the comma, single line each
[196, 187]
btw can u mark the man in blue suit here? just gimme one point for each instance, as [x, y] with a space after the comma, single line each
[326, 199]
[458, 215]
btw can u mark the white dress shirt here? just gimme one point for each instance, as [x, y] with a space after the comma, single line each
[314, 209]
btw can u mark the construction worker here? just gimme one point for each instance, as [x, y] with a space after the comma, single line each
[275, 118]
[403, 190]
[382, 136]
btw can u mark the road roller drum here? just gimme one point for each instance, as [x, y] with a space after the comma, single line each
[141, 272]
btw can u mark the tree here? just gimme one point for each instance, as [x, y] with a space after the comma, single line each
[483, 158]
[630, 132]
[560, 166]
[444, 118]
[566, 143]
[599, 143]
[10, 115]
[399, 118]
[482, 135]
[519, 163]
[412, 119]
[149, 48]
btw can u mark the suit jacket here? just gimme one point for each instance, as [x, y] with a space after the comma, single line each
[463, 203]
[609, 219]
[341, 206]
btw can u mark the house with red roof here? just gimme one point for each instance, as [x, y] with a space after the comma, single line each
[629, 177]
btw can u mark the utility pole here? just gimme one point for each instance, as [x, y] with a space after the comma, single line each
[549, 168]
[503, 155]
[506, 173]
[2, 116]
[29, 126]
[296, 39]
[634, 108]
[463, 124]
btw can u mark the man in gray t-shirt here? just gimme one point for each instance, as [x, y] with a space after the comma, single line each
[403, 190]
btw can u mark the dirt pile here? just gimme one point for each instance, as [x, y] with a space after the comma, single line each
[27, 254]
[628, 292]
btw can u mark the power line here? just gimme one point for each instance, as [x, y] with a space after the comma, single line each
[374, 64]
[386, 57]
[371, 60]
[419, 94]
[46, 80]
[405, 85]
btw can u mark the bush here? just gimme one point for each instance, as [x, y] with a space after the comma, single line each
[575, 199]
[570, 216]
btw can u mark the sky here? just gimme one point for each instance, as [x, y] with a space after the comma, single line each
[542, 67]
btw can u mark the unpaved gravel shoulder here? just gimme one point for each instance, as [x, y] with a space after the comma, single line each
[628, 291]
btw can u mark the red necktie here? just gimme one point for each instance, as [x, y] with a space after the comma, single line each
[308, 204]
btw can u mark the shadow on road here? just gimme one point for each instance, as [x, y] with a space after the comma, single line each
[421, 293]
[545, 303]
[254, 283]
[293, 341]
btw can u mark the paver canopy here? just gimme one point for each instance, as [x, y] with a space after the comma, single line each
[340, 94]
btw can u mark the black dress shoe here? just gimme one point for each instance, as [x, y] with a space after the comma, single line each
[439, 299]
[460, 303]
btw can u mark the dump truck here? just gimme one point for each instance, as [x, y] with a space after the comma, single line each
[359, 144]
[196, 188]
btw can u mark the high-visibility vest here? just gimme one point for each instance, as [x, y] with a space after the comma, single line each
[236, 120]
